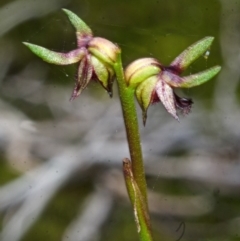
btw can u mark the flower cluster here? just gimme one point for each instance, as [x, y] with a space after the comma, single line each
[151, 81]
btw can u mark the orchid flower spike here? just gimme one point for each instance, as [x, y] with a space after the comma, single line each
[95, 56]
[154, 82]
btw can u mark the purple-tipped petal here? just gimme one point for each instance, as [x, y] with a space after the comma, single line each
[166, 95]
[191, 80]
[53, 57]
[193, 52]
[171, 79]
[84, 75]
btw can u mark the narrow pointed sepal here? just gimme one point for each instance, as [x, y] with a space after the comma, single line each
[191, 80]
[166, 95]
[144, 93]
[199, 78]
[53, 57]
[141, 69]
[189, 55]
[83, 32]
[84, 75]
[111, 79]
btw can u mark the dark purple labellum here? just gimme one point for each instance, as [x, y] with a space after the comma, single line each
[183, 104]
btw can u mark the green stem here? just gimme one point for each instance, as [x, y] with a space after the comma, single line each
[140, 210]
[131, 124]
[133, 171]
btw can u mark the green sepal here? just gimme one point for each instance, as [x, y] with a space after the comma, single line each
[103, 73]
[80, 26]
[141, 69]
[53, 57]
[144, 93]
[100, 70]
[200, 78]
[193, 52]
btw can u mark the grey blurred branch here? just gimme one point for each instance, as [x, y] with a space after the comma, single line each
[25, 10]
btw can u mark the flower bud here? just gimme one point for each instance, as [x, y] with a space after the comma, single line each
[140, 70]
[104, 50]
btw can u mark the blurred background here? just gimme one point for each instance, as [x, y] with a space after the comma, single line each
[60, 166]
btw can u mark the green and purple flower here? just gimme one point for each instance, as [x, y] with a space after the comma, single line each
[154, 82]
[95, 56]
